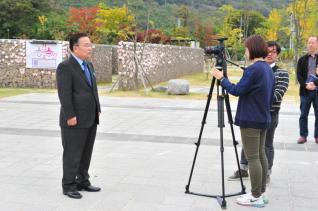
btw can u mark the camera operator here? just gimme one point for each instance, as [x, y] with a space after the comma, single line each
[281, 85]
[255, 90]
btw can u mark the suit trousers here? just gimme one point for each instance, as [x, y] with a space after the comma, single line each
[78, 146]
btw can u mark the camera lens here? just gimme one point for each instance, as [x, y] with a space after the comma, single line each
[212, 50]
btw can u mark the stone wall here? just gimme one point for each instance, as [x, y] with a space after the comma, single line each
[158, 62]
[102, 60]
[115, 60]
[13, 71]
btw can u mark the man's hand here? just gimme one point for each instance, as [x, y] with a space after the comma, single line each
[311, 86]
[317, 70]
[72, 121]
[217, 73]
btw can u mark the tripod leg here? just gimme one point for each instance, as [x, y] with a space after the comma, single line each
[220, 101]
[235, 143]
[201, 131]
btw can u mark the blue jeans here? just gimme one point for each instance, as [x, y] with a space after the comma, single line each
[305, 104]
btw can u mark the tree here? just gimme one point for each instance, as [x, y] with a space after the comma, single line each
[238, 25]
[140, 10]
[163, 18]
[228, 24]
[246, 21]
[232, 29]
[53, 26]
[235, 43]
[183, 14]
[114, 24]
[204, 34]
[153, 36]
[304, 19]
[274, 25]
[181, 32]
[83, 19]
[17, 18]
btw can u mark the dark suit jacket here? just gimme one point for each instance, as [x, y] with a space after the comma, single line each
[76, 96]
[302, 73]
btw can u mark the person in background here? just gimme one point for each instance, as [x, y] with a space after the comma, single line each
[281, 86]
[306, 66]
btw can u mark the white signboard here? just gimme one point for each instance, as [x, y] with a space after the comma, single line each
[46, 56]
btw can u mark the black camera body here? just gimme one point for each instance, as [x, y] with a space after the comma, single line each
[213, 50]
[218, 52]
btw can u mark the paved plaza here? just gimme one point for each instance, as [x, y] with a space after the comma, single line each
[142, 158]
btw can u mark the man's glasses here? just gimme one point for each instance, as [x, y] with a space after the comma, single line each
[86, 45]
[272, 52]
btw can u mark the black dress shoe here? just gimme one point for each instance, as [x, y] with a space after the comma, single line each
[89, 188]
[73, 194]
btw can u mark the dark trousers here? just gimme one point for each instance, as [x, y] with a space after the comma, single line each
[78, 146]
[305, 104]
[269, 142]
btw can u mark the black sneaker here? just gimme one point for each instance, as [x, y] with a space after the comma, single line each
[236, 175]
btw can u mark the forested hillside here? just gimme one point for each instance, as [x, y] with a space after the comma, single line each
[264, 6]
[163, 12]
[288, 21]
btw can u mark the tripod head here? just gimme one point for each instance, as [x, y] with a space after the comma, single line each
[219, 53]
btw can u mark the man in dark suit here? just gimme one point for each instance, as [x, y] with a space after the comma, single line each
[79, 115]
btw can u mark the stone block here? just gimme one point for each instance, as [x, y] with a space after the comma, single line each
[178, 87]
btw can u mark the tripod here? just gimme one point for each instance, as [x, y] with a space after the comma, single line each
[222, 97]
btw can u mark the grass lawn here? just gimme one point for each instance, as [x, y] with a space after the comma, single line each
[7, 92]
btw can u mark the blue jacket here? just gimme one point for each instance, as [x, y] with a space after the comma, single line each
[255, 91]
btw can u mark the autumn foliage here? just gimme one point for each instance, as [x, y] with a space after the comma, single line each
[153, 36]
[115, 24]
[83, 19]
[205, 35]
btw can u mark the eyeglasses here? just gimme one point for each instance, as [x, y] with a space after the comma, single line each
[272, 52]
[86, 45]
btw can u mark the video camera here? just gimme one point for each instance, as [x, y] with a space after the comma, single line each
[218, 52]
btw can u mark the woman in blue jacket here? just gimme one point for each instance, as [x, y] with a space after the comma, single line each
[255, 90]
